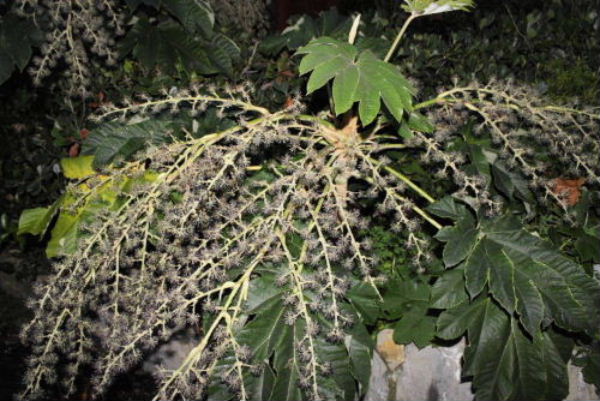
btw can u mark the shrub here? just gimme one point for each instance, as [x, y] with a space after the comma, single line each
[258, 235]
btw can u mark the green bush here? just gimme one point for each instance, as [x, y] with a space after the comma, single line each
[262, 230]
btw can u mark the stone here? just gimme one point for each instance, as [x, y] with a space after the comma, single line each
[434, 374]
[391, 353]
[171, 354]
[381, 380]
[579, 390]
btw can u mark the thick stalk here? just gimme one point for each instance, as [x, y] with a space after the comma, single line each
[407, 181]
[394, 46]
[415, 188]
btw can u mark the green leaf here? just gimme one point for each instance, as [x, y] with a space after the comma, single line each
[223, 53]
[6, 66]
[357, 77]
[454, 322]
[35, 221]
[265, 332]
[262, 289]
[63, 240]
[366, 301]
[325, 71]
[167, 45]
[194, 15]
[511, 184]
[287, 364]
[261, 386]
[449, 208]
[461, 241]
[344, 89]
[394, 89]
[528, 276]
[588, 247]
[114, 140]
[77, 168]
[341, 385]
[480, 164]
[415, 327]
[505, 363]
[322, 50]
[405, 132]
[589, 359]
[449, 290]
[418, 122]
[403, 296]
[360, 350]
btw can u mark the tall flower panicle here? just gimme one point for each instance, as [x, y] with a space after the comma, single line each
[75, 32]
[262, 227]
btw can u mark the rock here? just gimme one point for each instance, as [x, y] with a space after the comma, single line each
[391, 353]
[171, 355]
[579, 390]
[381, 380]
[433, 374]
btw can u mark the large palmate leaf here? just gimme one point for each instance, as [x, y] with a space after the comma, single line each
[505, 363]
[524, 274]
[357, 77]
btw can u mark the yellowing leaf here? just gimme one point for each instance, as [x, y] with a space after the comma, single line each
[77, 167]
[63, 239]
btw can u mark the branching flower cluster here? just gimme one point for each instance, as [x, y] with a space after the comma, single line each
[194, 246]
[275, 204]
[74, 31]
[543, 142]
[255, 236]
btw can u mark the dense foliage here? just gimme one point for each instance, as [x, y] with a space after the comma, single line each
[286, 228]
